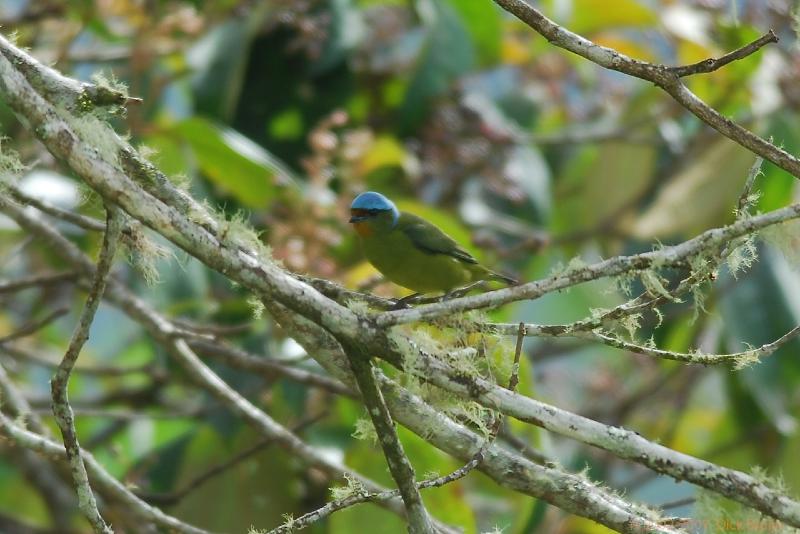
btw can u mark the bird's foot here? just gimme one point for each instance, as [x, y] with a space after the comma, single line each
[405, 302]
[460, 292]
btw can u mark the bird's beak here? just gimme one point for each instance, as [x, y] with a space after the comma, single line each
[358, 218]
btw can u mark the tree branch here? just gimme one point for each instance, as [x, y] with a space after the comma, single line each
[37, 280]
[164, 332]
[660, 75]
[401, 469]
[623, 443]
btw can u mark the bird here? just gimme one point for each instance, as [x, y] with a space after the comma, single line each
[412, 252]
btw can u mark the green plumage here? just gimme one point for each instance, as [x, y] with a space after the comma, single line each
[416, 254]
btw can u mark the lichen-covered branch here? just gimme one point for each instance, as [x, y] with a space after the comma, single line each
[570, 492]
[738, 359]
[60, 382]
[120, 176]
[620, 442]
[678, 255]
[419, 522]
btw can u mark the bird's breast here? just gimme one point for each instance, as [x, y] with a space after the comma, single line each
[363, 229]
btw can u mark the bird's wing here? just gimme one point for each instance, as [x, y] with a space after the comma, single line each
[428, 237]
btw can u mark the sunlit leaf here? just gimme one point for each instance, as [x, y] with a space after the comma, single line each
[514, 50]
[591, 15]
[385, 151]
[613, 175]
[627, 46]
[777, 185]
[287, 125]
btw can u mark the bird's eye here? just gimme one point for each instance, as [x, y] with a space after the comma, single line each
[373, 211]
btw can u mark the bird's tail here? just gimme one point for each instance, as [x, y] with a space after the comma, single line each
[503, 278]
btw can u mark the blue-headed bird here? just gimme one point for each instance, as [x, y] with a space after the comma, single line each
[412, 252]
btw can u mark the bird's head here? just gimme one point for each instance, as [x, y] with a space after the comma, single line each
[372, 213]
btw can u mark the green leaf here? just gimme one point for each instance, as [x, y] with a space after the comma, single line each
[776, 185]
[527, 168]
[603, 180]
[758, 310]
[446, 54]
[233, 162]
[219, 60]
[484, 23]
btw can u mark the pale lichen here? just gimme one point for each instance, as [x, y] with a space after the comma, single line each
[354, 487]
[365, 430]
[256, 306]
[717, 515]
[237, 229]
[654, 284]
[742, 256]
[11, 167]
[143, 252]
[631, 323]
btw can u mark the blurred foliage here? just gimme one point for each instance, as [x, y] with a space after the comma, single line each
[281, 111]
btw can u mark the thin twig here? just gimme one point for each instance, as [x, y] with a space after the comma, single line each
[37, 280]
[81, 221]
[738, 359]
[58, 386]
[34, 326]
[25, 355]
[712, 64]
[214, 330]
[239, 359]
[745, 198]
[172, 498]
[677, 503]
